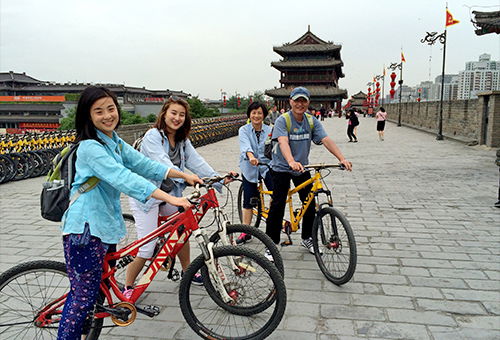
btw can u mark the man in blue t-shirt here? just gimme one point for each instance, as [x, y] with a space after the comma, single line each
[288, 163]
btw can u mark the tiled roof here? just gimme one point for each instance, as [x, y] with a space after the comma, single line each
[306, 48]
[30, 107]
[30, 119]
[486, 22]
[306, 63]
[360, 95]
[316, 91]
[17, 77]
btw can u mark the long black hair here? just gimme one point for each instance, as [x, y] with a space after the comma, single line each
[85, 128]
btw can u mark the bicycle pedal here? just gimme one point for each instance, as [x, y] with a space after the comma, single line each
[149, 310]
[174, 275]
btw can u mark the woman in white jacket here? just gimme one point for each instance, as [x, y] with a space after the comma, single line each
[168, 143]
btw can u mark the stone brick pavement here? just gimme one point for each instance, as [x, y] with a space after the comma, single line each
[426, 229]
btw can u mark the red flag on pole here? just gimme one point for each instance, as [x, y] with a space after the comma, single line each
[403, 57]
[449, 19]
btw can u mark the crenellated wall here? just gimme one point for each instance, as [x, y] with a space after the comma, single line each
[471, 121]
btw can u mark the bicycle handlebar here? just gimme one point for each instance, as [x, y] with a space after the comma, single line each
[215, 179]
[316, 167]
[320, 166]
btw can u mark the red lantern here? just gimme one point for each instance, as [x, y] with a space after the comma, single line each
[239, 102]
[393, 84]
[418, 99]
[225, 101]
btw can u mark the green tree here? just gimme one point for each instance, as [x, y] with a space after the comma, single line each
[72, 97]
[151, 118]
[198, 109]
[68, 122]
[130, 118]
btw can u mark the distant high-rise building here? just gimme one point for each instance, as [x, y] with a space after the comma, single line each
[478, 76]
[450, 88]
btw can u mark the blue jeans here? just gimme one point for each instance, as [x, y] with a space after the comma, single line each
[250, 190]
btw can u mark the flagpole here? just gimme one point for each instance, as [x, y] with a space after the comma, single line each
[383, 85]
[440, 122]
[400, 91]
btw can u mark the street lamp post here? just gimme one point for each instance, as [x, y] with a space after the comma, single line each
[381, 76]
[430, 39]
[393, 67]
[370, 86]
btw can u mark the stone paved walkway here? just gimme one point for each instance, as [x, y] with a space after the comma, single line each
[426, 229]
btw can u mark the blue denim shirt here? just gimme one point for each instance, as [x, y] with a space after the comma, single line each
[155, 146]
[249, 143]
[119, 170]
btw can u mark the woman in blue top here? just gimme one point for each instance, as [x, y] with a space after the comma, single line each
[93, 225]
[168, 143]
[252, 137]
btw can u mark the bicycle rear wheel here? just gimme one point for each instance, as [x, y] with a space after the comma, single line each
[27, 289]
[259, 242]
[334, 245]
[252, 287]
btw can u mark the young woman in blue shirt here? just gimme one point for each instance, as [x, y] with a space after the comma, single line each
[92, 225]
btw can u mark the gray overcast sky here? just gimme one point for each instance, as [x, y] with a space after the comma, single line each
[202, 47]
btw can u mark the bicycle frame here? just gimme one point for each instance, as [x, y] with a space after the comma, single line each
[295, 218]
[179, 227]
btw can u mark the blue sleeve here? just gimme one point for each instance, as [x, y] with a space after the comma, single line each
[280, 128]
[198, 165]
[318, 132]
[108, 169]
[142, 165]
[245, 145]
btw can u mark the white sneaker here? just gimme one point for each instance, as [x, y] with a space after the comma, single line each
[308, 244]
[268, 255]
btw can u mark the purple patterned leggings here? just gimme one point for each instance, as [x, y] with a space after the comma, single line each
[84, 255]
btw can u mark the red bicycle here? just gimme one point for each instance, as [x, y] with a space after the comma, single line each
[243, 297]
[225, 234]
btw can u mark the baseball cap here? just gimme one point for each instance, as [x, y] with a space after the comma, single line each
[300, 92]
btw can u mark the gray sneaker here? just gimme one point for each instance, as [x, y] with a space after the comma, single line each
[268, 255]
[308, 244]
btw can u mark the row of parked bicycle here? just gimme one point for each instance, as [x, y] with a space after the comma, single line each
[30, 154]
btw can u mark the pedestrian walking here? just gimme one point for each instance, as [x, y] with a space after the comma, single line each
[381, 117]
[352, 121]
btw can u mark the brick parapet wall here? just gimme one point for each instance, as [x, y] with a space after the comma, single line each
[462, 119]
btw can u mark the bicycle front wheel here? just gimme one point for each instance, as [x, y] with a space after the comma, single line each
[334, 245]
[256, 210]
[257, 290]
[25, 290]
[259, 241]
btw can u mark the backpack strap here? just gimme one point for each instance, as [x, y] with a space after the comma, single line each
[85, 187]
[289, 121]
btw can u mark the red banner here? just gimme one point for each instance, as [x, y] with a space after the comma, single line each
[32, 99]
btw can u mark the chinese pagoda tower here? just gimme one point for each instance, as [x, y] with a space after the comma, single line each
[313, 63]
